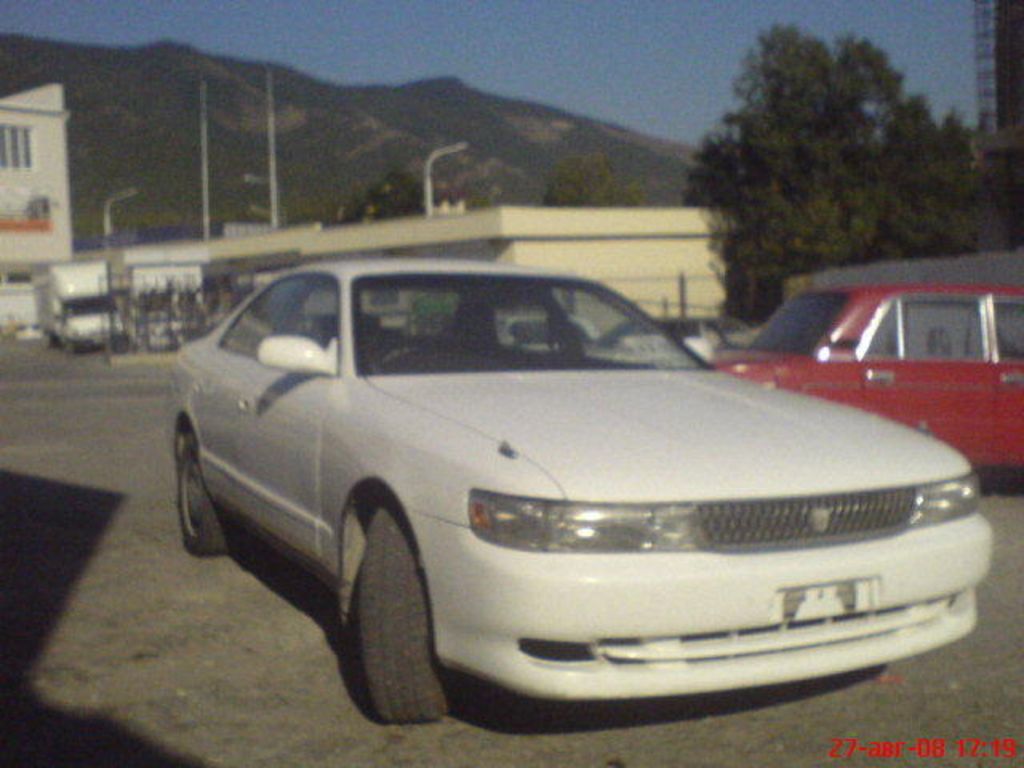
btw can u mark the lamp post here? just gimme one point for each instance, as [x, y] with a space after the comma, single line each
[428, 184]
[204, 159]
[124, 194]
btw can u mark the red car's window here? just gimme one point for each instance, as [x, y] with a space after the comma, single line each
[1010, 329]
[799, 324]
[943, 329]
[886, 339]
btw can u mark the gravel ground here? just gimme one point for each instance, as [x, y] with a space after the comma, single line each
[121, 650]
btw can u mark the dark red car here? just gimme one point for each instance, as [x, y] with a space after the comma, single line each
[946, 359]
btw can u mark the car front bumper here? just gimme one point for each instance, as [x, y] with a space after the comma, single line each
[581, 626]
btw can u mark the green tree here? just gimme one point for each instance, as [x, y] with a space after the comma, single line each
[399, 193]
[827, 162]
[589, 180]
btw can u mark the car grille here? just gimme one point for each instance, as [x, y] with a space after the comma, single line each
[804, 521]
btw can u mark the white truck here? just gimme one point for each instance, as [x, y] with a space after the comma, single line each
[74, 304]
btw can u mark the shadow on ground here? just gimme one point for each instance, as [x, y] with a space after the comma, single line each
[309, 595]
[49, 531]
[492, 708]
[498, 710]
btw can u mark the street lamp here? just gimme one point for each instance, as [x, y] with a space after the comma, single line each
[428, 185]
[124, 194]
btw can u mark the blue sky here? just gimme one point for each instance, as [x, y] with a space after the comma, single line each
[664, 67]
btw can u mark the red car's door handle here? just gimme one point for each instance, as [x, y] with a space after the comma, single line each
[1012, 379]
[875, 376]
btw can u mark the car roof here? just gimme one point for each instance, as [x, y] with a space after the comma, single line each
[351, 268]
[889, 289]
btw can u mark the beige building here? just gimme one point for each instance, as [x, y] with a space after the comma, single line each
[659, 257]
[35, 204]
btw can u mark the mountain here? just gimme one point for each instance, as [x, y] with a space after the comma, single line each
[135, 123]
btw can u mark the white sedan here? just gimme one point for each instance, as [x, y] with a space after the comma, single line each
[493, 486]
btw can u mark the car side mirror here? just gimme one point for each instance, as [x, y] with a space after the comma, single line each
[298, 354]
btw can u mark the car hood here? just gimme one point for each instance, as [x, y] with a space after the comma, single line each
[656, 436]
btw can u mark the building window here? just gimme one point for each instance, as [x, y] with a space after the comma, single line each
[15, 146]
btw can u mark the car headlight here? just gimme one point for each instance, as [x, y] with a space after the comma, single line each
[947, 500]
[558, 526]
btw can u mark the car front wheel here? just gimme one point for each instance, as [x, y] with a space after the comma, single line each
[201, 530]
[394, 628]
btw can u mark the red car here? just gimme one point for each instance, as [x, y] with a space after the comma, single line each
[947, 359]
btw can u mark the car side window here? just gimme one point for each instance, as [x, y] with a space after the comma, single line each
[886, 341]
[942, 329]
[302, 305]
[1010, 329]
[525, 327]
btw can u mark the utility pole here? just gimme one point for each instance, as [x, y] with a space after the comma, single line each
[272, 153]
[205, 159]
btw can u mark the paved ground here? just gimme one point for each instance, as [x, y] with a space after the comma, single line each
[120, 650]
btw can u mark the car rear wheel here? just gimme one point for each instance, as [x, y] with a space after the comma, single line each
[394, 628]
[201, 529]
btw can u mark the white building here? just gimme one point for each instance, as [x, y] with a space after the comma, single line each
[35, 201]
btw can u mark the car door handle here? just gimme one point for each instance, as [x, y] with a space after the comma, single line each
[1012, 379]
[884, 378]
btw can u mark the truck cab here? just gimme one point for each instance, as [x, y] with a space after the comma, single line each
[74, 304]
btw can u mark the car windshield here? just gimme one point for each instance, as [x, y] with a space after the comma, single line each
[798, 325]
[417, 324]
[92, 305]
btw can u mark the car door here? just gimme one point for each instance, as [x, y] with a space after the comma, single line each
[1009, 381]
[214, 380]
[940, 379]
[280, 414]
[834, 374]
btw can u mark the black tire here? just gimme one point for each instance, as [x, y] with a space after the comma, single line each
[394, 631]
[201, 530]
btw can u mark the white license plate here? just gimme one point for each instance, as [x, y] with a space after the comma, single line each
[820, 601]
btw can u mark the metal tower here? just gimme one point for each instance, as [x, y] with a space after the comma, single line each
[985, 63]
